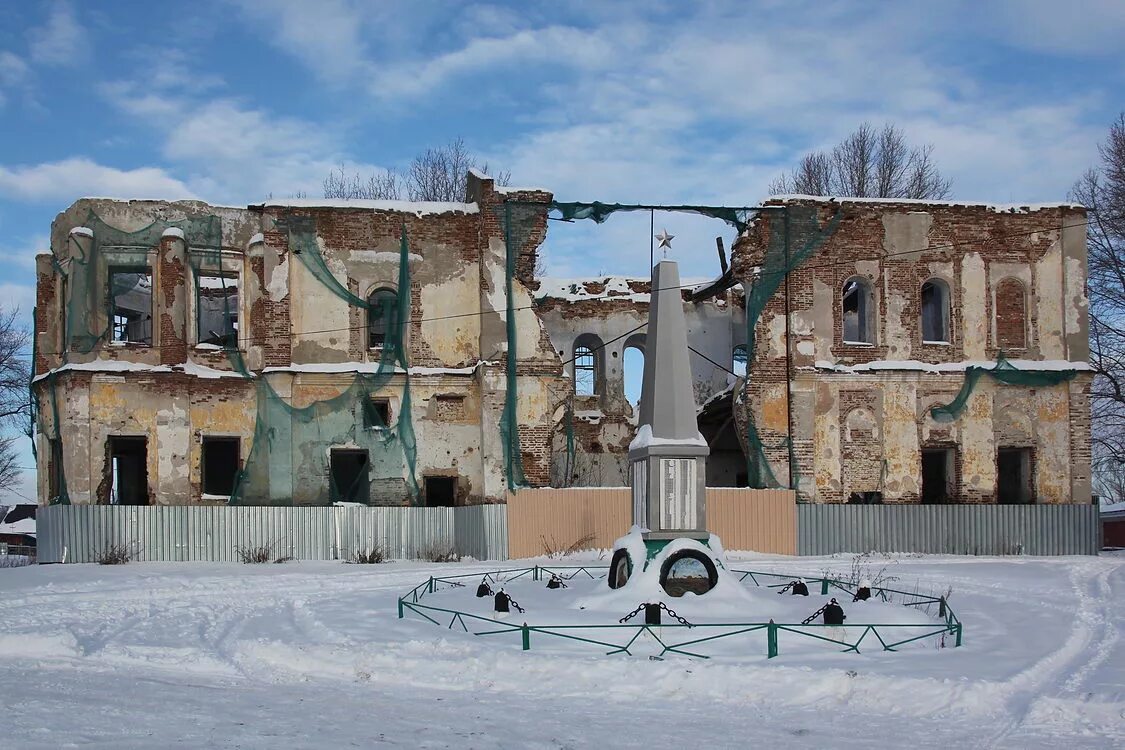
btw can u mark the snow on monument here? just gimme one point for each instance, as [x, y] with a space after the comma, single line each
[669, 545]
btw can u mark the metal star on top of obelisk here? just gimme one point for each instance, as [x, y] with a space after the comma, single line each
[665, 240]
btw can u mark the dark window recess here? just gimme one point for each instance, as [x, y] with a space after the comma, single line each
[1013, 476]
[441, 492]
[937, 475]
[220, 465]
[382, 317]
[376, 413]
[350, 482]
[935, 311]
[126, 470]
[857, 312]
[55, 475]
[130, 305]
[217, 308]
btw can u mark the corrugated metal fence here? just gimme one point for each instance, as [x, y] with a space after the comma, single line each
[80, 533]
[745, 519]
[949, 529]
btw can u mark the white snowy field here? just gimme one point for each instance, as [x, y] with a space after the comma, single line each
[312, 655]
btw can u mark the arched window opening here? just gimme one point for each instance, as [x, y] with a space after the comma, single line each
[738, 360]
[633, 369]
[585, 371]
[382, 317]
[1011, 315]
[935, 312]
[858, 306]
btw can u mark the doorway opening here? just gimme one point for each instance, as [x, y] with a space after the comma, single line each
[126, 470]
[1013, 476]
[350, 482]
[938, 473]
[441, 492]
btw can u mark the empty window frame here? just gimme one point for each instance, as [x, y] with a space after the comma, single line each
[585, 371]
[935, 312]
[1011, 315]
[219, 465]
[857, 307]
[217, 303]
[738, 360]
[130, 305]
[1013, 476]
[382, 317]
[376, 414]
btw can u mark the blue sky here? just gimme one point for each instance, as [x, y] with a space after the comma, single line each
[231, 100]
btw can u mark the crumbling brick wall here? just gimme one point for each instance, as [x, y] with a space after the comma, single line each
[1015, 280]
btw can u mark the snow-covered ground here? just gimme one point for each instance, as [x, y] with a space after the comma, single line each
[312, 655]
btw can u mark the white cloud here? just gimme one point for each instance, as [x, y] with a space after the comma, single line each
[13, 73]
[327, 36]
[61, 41]
[21, 256]
[68, 179]
[21, 296]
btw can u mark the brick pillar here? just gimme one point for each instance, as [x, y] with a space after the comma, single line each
[171, 302]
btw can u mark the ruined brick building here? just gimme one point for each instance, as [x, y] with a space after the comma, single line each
[306, 352]
[885, 320]
[191, 353]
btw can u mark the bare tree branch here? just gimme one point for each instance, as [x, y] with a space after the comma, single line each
[868, 163]
[438, 174]
[1102, 191]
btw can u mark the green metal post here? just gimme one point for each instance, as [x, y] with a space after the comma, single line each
[535, 574]
[941, 607]
[824, 586]
[526, 632]
[771, 640]
[958, 643]
[400, 608]
[431, 586]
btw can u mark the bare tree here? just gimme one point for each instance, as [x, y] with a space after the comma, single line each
[1102, 191]
[438, 174]
[15, 402]
[869, 163]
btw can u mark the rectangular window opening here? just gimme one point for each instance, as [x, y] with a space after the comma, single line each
[1013, 476]
[938, 475]
[350, 476]
[126, 470]
[130, 293]
[441, 491]
[217, 309]
[376, 414]
[219, 465]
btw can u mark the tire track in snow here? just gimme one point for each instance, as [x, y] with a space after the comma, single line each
[1068, 665]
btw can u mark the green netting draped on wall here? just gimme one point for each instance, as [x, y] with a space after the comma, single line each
[800, 237]
[298, 439]
[1002, 372]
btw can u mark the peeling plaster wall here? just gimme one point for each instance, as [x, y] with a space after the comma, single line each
[867, 429]
[168, 393]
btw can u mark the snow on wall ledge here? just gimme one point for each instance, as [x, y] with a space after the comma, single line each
[913, 365]
[418, 208]
[995, 207]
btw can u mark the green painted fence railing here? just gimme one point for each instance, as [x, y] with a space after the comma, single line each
[668, 635]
